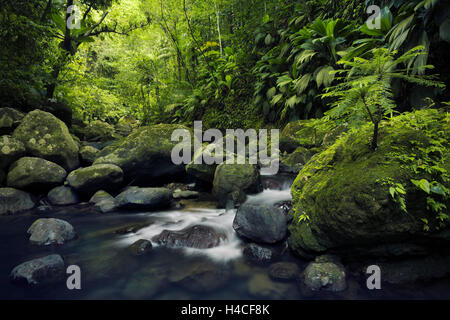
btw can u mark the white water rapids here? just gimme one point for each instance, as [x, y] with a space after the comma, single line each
[219, 219]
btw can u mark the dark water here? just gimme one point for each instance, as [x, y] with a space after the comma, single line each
[110, 272]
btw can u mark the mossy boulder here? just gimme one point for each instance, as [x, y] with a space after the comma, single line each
[324, 275]
[35, 173]
[47, 137]
[145, 155]
[342, 194]
[99, 131]
[38, 272]
[233, 181]
[9, 120]
[97, 177]
[88, 154]
[10, 150]
[14, 201]
[100, 196]
[63, 196]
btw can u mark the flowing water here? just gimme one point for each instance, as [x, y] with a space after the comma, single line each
[109, 271]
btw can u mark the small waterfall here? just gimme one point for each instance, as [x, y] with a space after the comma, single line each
[219, 219]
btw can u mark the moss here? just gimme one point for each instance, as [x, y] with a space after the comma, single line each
[47, 137]
[341, 192]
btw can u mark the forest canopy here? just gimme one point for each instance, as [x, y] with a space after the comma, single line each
[231, 63]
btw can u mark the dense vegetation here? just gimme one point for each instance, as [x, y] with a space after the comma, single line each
[225, 61]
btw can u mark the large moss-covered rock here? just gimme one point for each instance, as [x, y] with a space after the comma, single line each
[45, 136]
[97, 177]
[145, 155]
[35, 173]
[9, 120]
[13, 201]
[233, 181]
[10, 150]
[295, 161]
[341, 190]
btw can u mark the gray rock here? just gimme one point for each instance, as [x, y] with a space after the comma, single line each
[63, 195]
[47, 137]
[10, 150]
[13, 201]
[201, 237]
[325, 275]
[50, 231]
[144, 198]
[35, 173]
[258, 254]
[284, 271]
[97, 177]
[140, 247]
[41, 271]
[260, 223]
[107, 205]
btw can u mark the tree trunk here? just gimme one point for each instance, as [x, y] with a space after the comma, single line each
[218, 28]
[374, 145]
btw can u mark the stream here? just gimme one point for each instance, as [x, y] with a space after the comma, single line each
[109, 272]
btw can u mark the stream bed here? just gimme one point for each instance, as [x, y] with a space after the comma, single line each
[109, 272]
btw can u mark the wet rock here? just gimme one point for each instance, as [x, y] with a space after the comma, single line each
[100, 196]
[13, 201]
[140, 247]
[47, 137]
[260, 223]
[144, 198]
[35, 173]
[201, 237]
[97, 177]
[88, 155]
[10, 150]
[284, 271]
[107, 205]
[41, 271]
[62, 196]
[201, 277]
[258, 254]
[325, 274]
[9, 119]
[185, 194]
[235, 181]
[50, 231]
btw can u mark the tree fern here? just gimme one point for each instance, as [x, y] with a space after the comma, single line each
[366, 94]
